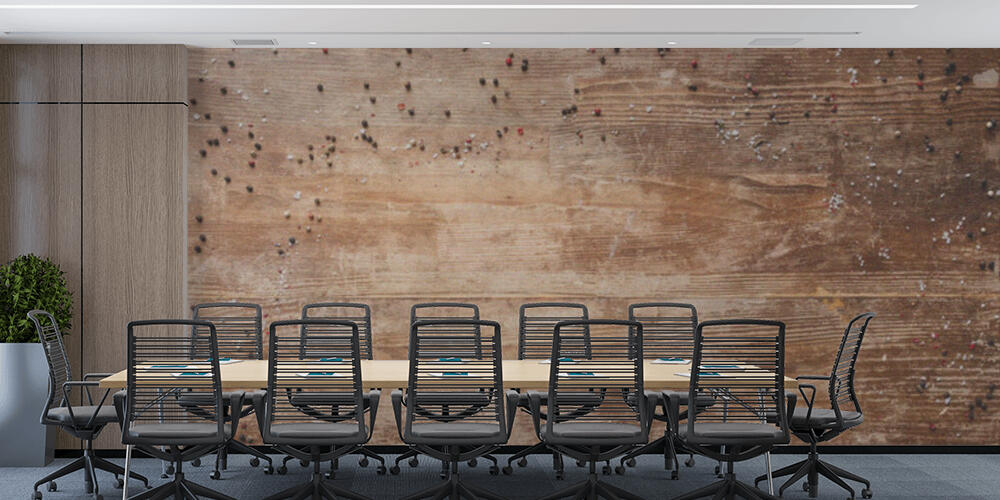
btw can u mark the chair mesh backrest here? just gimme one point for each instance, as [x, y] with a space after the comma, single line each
[314, 378]
[237, 327]
[55, 354]
[742, 367]
[842, 378]
[461, 339]
[605, 387]
[166, 384]
[359, 314]
[667, 328]
[536, 325]
[470, 390]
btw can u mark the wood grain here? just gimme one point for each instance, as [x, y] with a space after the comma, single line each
[801, 185]
[134, 256]
[134, 73]
[40, 200]
[39, 73]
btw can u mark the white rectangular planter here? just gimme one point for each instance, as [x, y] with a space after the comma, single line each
[24, 385]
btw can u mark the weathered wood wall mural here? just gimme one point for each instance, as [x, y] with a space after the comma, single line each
[800, 185]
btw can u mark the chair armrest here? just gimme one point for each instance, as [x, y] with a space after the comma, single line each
[672, 410]
[235, 402]
[810, 399]
[373, 397]
[83, 383]
[511, 407]
[259, 399]
[652, 401]
[397, 410]
[813, 377]
[97, 375]
[535, 405]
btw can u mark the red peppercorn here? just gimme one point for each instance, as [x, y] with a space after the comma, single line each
[326, 50]
[694, 64]
[508, 61]
[597, 111]
[401, 106]
[920, 85]
[520, 131]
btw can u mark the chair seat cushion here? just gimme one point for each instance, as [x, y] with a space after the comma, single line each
[733, 433]
[444, 431]
[81, 415]
[173, 432]
[317, 431]
[823, 418]
[585, 431]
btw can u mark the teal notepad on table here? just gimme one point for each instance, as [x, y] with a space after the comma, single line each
[169, 367]
[192, 374]
[700, 374]
[577, 374]
[450, 360]
[319, 374]
[451, 374]
[561, 360]
[670, 361]
[331, 360]
[721, 367]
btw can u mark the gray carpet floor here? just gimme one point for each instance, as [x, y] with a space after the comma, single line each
[892, 477]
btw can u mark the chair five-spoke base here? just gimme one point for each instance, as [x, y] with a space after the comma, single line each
[728, 487]
[811, 468]
[180, 488]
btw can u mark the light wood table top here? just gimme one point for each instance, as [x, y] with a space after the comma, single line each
[393, 373]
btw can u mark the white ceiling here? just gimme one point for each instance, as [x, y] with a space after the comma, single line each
[550, 23]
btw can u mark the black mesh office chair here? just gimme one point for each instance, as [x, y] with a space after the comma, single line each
[536, 325]
[470, 348]
[315, 405]
[667, 336]
[610, 384]
[168, 368]
[816, 425]
[84, 422]
[741, 365]
[361, 315]
[238, 329]
[456, 408]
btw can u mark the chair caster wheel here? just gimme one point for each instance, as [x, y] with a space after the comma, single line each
[196, 462]
[394, 470]
[674, 475]
[282, 470]
[164, 476]
[363, 462]
[119, 482]
[36, 495]
[170, 469]
[620, 470]
[413, 462]
[606, 470]
[580, 463]
[630, 462]
[215, 475]
[268, 470]
[52, 486]
[331, 475]
[560, 474]
[98, 497]
[443, 474]
[472, 462]
[689, 462]
[304, 463]
[88, 487]
[254, 462]
[866, 493]
[380, 470]
[805, 486]
[523, 462]
[494, 470]
[508, 470]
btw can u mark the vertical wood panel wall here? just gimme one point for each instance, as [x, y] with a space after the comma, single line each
[94, 179]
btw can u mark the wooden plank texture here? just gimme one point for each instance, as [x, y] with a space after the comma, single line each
[134, 256]
[40, 200]
[134, 73]
[39, 73]
[801, 185]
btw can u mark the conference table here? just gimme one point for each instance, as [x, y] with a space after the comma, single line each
[394, 373]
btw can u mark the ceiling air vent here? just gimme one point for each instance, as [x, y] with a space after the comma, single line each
[775, 42]
[254, 42]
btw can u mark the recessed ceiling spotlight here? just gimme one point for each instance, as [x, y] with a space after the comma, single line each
[311, 43]
[671, 43]
[486, 42]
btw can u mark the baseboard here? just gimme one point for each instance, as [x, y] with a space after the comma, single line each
[782, 450]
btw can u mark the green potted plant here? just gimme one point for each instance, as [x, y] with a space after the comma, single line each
[27, 282]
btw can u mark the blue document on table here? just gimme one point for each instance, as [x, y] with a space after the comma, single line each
[670, 361]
